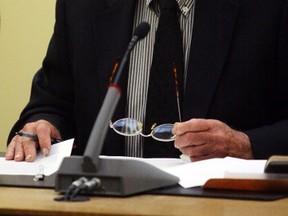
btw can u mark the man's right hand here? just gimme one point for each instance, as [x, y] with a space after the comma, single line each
[23, 148]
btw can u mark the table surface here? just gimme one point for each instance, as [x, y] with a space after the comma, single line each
[35, 201]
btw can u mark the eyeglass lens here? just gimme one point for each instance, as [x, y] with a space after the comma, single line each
[127, 127]
[163, 133]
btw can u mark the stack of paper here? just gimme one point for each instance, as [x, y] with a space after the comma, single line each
[190, 173]
[45, 165]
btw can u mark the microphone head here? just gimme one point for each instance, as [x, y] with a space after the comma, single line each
[142, 30]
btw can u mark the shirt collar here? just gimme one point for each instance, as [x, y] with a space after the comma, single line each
[184, 6]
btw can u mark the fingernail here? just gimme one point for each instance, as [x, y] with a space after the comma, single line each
[45, 152]
[28, 157]
[17, 156]
[185, 158]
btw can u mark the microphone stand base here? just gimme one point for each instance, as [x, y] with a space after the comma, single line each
[119, 177]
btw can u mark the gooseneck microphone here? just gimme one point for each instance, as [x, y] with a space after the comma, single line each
[99, 130]
[109, 176]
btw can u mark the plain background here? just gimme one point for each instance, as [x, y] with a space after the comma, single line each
[25, 30]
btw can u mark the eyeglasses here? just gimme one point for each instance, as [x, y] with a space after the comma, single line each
[133, 127]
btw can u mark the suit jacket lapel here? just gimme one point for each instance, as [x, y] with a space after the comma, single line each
[213, 29]
[111, 39]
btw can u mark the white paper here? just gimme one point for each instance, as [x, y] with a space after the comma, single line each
[160, 163]
[239, 168]
[46, 165]
[197, 173]
[191, 174]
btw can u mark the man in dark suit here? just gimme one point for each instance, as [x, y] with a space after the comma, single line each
[236, 83]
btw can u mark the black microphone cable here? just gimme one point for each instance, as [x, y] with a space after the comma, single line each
[88, 186]
[74, 186]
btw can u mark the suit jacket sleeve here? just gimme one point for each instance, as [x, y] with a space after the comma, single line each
[273, 139]
[52, 87]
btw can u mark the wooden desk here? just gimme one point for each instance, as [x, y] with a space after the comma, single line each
[28, 201]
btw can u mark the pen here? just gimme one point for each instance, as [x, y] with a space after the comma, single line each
[35, 137]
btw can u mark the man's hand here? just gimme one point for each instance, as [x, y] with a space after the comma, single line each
[23, 148]
[206, 138]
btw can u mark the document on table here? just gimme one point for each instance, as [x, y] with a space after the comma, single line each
[46, 165]
[197, 173]
[193, 174]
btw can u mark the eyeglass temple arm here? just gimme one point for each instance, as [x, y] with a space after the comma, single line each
[177, 92]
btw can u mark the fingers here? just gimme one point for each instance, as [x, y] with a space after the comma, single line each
[201, 138]
[26, 150]
[205, 151]
[193, 125]
[10, 153]
[205, 157]
[193, 139]
[23, 148]
[207, 138]
[44, 132]
[198, 132]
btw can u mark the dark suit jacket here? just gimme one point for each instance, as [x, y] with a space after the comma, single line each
[237, 69]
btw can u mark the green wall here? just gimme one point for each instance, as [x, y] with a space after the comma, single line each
[25, 31]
